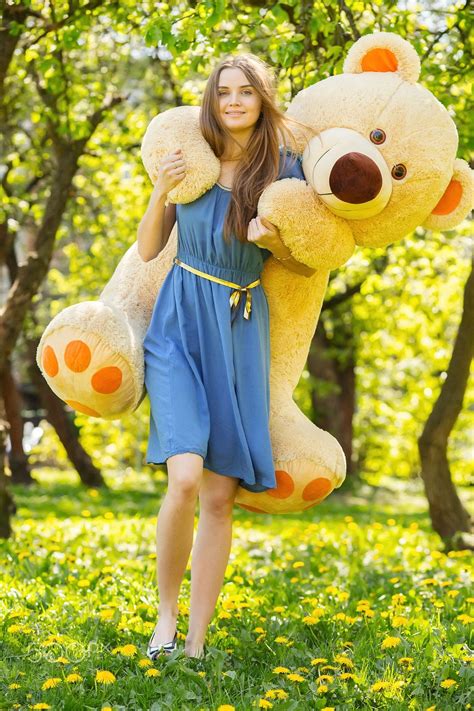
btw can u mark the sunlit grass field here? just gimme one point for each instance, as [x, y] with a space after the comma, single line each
[351, 605]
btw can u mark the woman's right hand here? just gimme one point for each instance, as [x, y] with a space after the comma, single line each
[171, 171]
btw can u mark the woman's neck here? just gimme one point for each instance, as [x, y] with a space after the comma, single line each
[233, 152]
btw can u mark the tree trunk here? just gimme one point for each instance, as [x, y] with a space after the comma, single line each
[334, 409]
[19, 466]
[448, 515]
[66, 431]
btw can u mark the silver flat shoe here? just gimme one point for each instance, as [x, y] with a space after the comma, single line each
[168, 648]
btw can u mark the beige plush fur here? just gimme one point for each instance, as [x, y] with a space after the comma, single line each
[359, 191]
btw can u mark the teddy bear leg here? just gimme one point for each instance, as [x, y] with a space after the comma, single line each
[309, 465]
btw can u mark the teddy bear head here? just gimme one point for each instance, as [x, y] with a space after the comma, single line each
[382, 151]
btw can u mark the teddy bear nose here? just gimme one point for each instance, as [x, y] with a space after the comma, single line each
[355, 178]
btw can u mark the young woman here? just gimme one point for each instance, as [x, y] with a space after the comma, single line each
[207, 354]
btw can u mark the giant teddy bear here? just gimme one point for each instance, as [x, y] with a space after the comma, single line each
[380, 160]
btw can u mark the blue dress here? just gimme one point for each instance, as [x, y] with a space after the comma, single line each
[206, 366]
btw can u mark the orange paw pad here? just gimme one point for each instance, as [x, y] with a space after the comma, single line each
[50, 362]
[107, 380]
[252, 508]
[82, 408]
[317, 489]
[77, 356]
[285, 485]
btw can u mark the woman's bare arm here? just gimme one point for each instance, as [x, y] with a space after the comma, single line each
[155, 227]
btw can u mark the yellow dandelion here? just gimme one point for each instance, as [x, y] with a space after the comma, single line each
[295, 677]
[318, 660]
[106, 614]
[105, 677]
[310, 620]
[62, 660]
[281, 640]
[14, 685]
[41, 705]
[73, 678]
[152, 672]
[347, 675]
[15, 629]
[400, 621]
[324, 677]
[109, 514]
[280, 670]
[276, 694]
[83, 583]
[224, 615]
[322, 689]
[144, 663]
[452, 593]
[264, 704]
[467, 658]
[448, 683]
[201, 673]
[339, 616]
[51, 683]
[106, 708]
[226, 707]
[390, 642]
[298, 564]
[380, 685]
[405, 660]
[279, 608]
[344, 660]
[128, 650]
[465, 619]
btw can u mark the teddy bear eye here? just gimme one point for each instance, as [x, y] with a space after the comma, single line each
[377, 136]
[399, 171]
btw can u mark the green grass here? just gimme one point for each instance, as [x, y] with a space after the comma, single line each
[300, 624]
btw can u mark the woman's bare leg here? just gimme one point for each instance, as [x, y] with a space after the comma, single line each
[210, 554]
[174, 538]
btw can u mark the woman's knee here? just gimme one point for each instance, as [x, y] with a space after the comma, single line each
[217, 496]
[185, 475]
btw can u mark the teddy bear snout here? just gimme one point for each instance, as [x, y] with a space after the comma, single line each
[355, 178]
[348, 173]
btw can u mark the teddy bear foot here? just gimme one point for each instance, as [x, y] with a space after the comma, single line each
[85, 365]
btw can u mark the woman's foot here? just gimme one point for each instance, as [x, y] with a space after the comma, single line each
[164, 633]
[194, 649]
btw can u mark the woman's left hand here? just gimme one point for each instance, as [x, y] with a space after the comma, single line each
[267, 236]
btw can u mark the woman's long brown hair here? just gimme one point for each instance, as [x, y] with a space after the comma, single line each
[259, 165]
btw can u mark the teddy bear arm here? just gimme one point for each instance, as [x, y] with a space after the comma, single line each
[315, 236]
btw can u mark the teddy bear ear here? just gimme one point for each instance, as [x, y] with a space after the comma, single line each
[456, 201]
[383, 52]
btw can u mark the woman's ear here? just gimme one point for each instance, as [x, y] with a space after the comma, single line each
[383, 52]
[456, 202]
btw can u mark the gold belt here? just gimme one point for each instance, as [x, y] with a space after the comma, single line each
[235, 296]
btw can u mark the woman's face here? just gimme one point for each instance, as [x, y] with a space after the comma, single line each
[239, 103]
